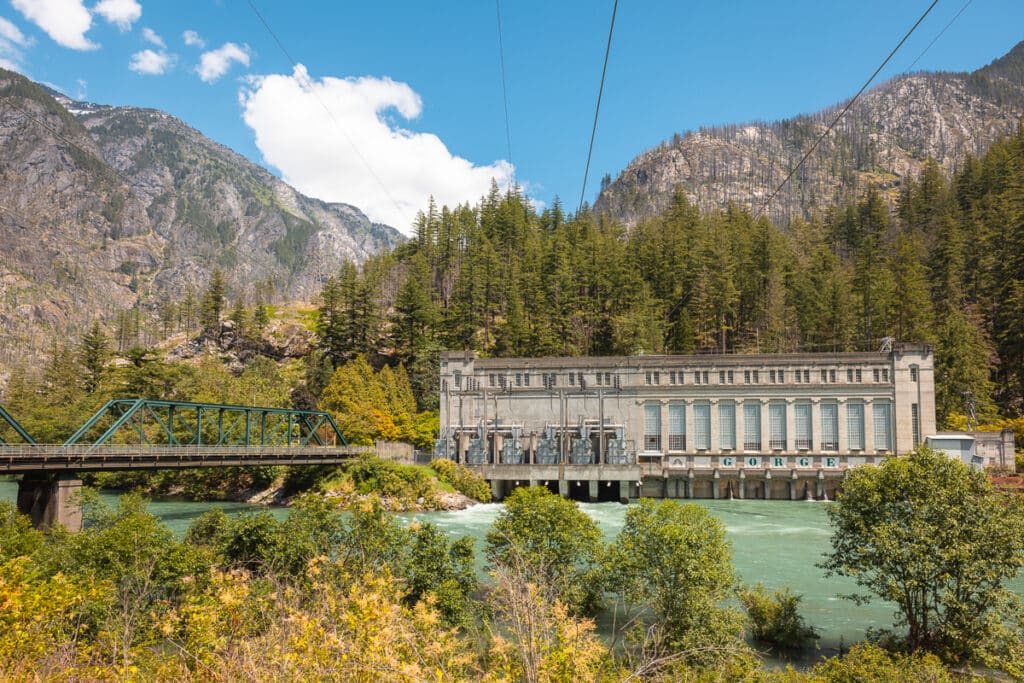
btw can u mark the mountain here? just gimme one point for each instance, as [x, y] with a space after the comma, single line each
[885, 137]
[103, 209]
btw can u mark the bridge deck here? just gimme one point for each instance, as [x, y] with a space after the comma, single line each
[24, 458]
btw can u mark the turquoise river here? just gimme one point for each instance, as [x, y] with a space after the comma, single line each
[775, 542]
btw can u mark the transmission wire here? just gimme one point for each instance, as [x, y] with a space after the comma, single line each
[504, 91]
[597, 109]
[305, 82]
[845, 109]
[936, 38]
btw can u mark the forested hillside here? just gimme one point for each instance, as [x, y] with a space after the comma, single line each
[942, 264]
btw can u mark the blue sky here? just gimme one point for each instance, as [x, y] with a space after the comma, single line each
[398, 101]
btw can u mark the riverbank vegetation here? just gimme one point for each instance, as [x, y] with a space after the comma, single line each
[325, 595]
[441, 485]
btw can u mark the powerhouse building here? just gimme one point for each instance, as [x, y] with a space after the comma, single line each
[747, 425]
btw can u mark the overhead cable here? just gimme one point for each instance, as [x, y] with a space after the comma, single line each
[845, 109]
[936, 38]
[305, 83]
[504, 88]
[597, 109]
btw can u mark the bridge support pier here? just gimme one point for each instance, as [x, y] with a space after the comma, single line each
[50, 500]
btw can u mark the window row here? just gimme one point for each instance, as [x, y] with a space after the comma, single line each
[677, 377]
[778, 438]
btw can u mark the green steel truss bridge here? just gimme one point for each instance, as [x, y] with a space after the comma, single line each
[128, 434]
[146, 434]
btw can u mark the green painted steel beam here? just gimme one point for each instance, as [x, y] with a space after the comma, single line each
[234, 423]
[9, 419]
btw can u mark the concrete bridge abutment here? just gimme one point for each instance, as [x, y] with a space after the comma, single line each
[49, 500]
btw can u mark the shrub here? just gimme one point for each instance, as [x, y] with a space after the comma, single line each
[774, 618]
[867, 662]
[466, 481]
[371, 474]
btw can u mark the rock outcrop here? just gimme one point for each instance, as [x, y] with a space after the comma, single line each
[885, 137]
[105, 209]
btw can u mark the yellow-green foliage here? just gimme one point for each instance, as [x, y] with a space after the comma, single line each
[774, 618]
[42, 619]
[371, 474]
[370, 405]
[467, 482]
[865, 662]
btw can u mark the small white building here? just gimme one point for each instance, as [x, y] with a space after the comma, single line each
[957, 446]
[986, 450]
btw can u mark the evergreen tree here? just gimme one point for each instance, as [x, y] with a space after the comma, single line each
[187, 310]
[212, 305]
[260, 317]
[911, 301]
[93, 352]
[963, 362]
[239, 318]
[348, 319]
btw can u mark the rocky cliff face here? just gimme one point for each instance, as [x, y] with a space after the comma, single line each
[105, 208]
[885, 137]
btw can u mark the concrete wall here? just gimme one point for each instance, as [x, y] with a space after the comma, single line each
[484, 395]
[50, 500]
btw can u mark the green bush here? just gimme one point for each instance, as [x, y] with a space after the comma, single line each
[371, 474]
[466, 481]
[867, 662]
[774, 618]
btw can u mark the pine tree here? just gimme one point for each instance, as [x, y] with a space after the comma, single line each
[260, 317]
[911, 301]
[239, 318]
[212, 305]
[93, 352]
[187, 310]
[963, 360]
[348, 319]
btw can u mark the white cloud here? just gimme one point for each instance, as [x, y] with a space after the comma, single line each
[216, 63]
[121, 13]
[151, 63]
[66, 21]
[192, 38]
[12, 40]
[12, 34]
[317, 152]
[83, 89]
[151, 36]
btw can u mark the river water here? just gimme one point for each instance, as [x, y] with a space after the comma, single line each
[775, 542]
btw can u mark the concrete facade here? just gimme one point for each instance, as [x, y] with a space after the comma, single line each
[766, 426]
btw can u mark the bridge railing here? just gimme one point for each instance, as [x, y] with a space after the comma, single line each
[91, 457]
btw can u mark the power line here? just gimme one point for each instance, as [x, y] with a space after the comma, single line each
[936, 38]
[597, 109]
[69, 141]
[305, 82]
[504, 87]
[844, 110]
